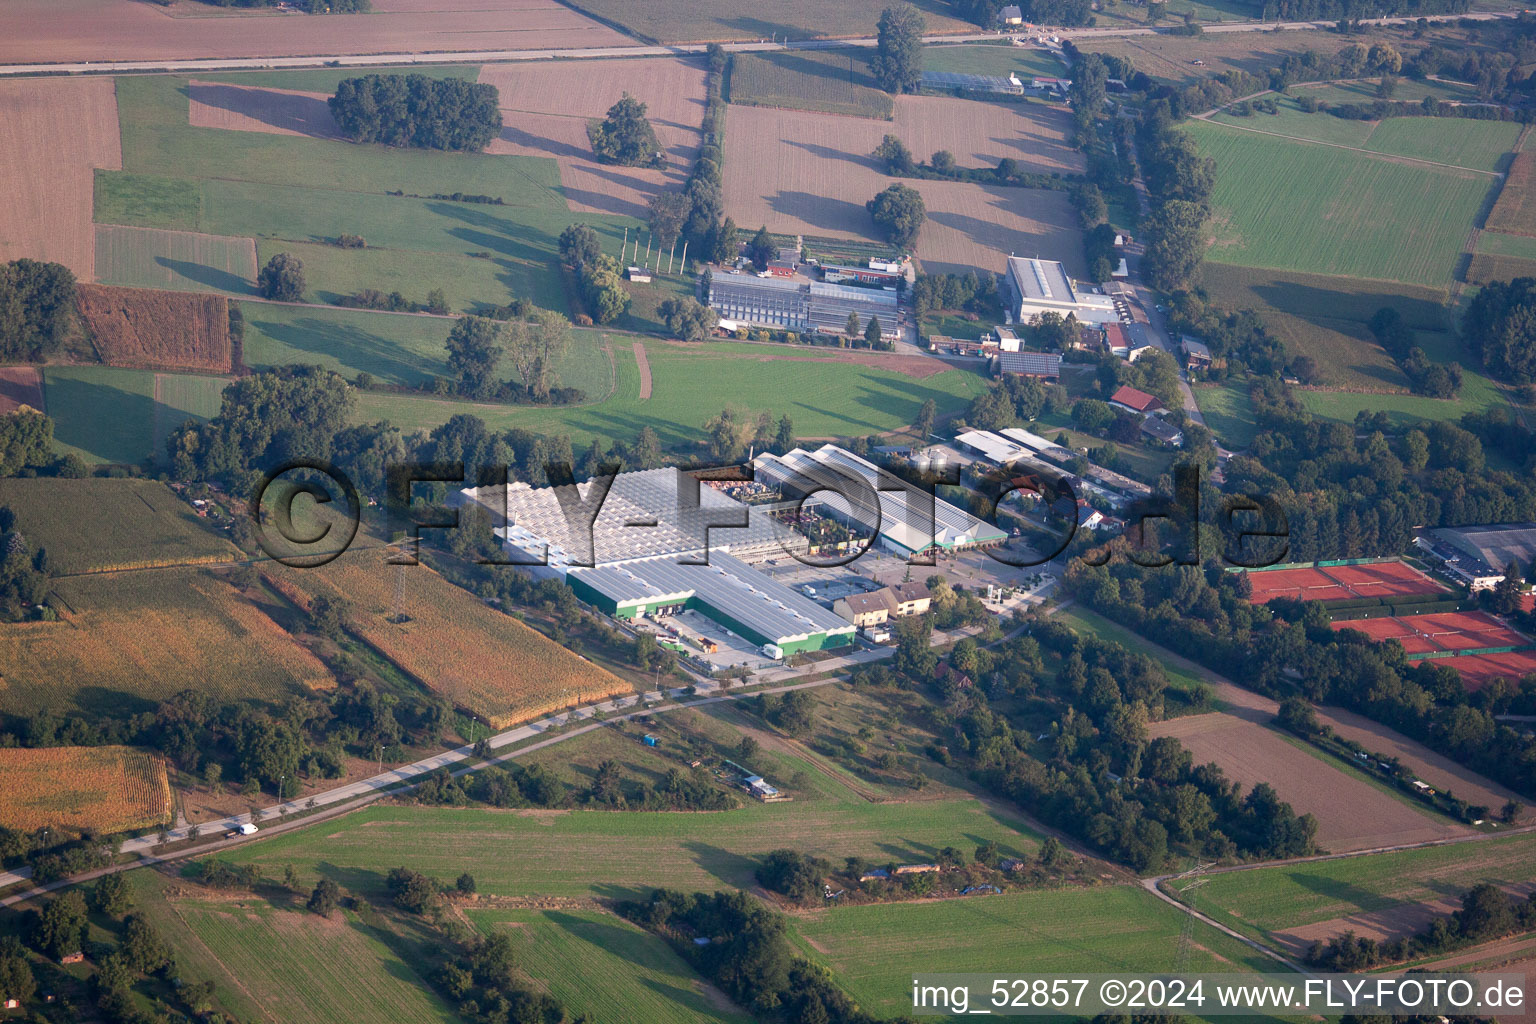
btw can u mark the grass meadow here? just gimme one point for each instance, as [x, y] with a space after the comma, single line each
[1000, 61]
[829, 81]
[691, 383]
[1267, 900]
[97, 524]
[1287, 205]
[469, 283]
[1229, 412]
[603, 966]
[874, 949]
[113, 415]
[529, 853]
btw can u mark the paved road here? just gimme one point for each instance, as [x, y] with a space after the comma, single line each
[496, 56]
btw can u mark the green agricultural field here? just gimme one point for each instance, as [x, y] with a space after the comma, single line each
[180, 261]
[1293, 122]
[734, 20]
[529, 853]
[469, 283]
[1229, 412]
[1026, 62]
[97, 523]
[147, 200]
[395, 348]
[873, 950]
[1459, 141]
[1269, 900]
[691, 383]
[1408, 90]
[603, 966]
[1496, 244]
[1288, 205]
[829, 81]
[301, 968]
[107, 414]
[1325, 317]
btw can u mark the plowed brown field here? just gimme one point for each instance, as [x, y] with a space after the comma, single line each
[806, 173]
[53, 133]
[158, 330]
[20, 386]
[1351, 814]
[545, 109]
[249, 108]
[91, 30]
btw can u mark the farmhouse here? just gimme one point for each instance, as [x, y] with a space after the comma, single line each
[1479, 555]
[1010, 15]
[1037, 365]
[1162, 431]
[863, 609]
[1034, 286]
[1197, 356]
[900, 516]
[1132, 400]
[1140, 344]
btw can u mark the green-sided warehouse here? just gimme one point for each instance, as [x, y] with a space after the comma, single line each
[726, 590]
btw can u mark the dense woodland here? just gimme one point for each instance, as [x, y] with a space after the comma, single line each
[37, 310]
[1057, 723]
[414, 110]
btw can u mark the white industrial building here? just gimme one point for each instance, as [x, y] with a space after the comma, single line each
[1034, 286]
[899, 516]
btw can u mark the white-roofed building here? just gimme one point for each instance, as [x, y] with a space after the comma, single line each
[1034, 286]
[906, 519]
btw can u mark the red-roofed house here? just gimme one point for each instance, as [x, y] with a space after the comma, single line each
[1132, 400]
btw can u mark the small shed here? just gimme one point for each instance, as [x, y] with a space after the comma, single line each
[648, 740]
[72, 958]
[639, 275]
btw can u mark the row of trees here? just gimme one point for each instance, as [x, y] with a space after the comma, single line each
[414, 110]
[1487, 913]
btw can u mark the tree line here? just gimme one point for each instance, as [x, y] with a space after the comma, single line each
[38, 312]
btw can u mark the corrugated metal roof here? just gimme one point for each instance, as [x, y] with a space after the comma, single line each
[726, 584]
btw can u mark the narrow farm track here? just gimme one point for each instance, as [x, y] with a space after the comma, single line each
[644, 366]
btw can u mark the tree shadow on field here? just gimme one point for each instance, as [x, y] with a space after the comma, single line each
[352, 347]
[824, 213]
[1343, 892]
[604, 935]
[208, 277]
[841, 155]
[100, 700]
[1310, 301]
[733, 869]
[763, 29]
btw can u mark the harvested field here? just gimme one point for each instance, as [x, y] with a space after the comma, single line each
[1351, 814]
[1487, 267]
[158, 330]
[101, 524]
[1515, 211]
[545, 108]
[1437, 770]
[109, 789]
[126, 640]
[807, 173]
[20, 386]
[1384, 925]
[247, 108]
[53, 135]
[1338, 582]
[88, 30]
[451, 642]
[176, 260]
[1444, 631]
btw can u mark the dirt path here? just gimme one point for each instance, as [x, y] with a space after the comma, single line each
[645, 370]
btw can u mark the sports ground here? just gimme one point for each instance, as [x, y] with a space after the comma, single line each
[1341, 582]
[1450, 635]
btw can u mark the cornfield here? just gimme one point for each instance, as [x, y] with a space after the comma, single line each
[110, 789]
[452, 643]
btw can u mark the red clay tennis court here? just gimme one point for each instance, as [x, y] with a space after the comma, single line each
[1455, 631]
[1339, 582]
[1477, 669]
